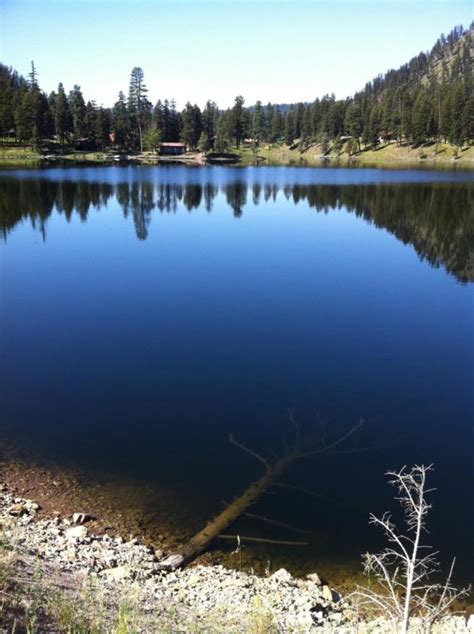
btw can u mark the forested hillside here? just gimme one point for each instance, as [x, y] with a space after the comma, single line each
[430, 98]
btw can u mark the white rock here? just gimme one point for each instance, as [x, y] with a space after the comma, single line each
[76, 532]
[314, 577]
[283, 577]
[327, 593]
[119, 573]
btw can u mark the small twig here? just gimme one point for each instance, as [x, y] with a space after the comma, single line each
[263, 541]
[251, 452]
[268, 520]
[313, 452]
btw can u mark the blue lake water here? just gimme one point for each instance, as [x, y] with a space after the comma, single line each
[148, 312]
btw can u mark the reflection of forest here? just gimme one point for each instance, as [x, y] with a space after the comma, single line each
[436, 219]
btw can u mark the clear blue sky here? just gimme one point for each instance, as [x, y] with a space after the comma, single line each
[263, 49]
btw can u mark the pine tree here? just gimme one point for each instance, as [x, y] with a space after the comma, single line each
[33, 77]
[197, 125]
[421, 118]
[374, 126]
[102, 128]
[298, 120]
[209, 120]
[90, 118]
[238, 120]
[175, 123]
[458, 104]
[187, 132]
[121, 122]
[166, 116]
[353, 122]
[316, 115]
[276, 125]
[224, 131]
[22, 117]
[386, 117]
[445, 115]
[8, 96]
[365, 137]
[78, 112]
[406, 128]
[138, 104]
[157, 118]
[335, 118]
[62, 115]
[191, 125]
[258, 124]
[306, 131]
[289, 127]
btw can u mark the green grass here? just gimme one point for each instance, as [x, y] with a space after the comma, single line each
[390, 154]
[18, 154]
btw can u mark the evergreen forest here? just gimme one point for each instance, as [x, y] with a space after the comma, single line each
[430, 98]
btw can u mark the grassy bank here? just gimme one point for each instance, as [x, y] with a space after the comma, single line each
[18, 155]
[441, 154]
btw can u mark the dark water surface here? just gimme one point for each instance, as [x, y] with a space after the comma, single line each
[148, 312]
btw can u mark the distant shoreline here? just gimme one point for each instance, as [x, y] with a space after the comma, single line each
[390, 155]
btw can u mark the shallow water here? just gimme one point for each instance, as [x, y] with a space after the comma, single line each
[148, 312]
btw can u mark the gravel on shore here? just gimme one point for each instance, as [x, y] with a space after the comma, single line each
[199, 598]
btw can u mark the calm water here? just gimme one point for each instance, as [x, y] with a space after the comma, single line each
[148, 312]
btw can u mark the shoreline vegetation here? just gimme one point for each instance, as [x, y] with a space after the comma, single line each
[430, 154]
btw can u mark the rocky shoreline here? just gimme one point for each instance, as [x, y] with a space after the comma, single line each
[68, 556]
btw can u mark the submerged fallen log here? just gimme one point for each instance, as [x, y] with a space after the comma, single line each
[273, 471]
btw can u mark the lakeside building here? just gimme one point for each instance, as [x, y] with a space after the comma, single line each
[172, 148]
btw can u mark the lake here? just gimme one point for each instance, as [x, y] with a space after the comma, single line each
[149, 312]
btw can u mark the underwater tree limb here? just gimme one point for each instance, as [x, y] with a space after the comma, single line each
[273, 472]
[250, 451]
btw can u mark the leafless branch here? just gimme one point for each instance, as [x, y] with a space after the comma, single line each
[401, 571]
[251, 452]
[338, 441]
